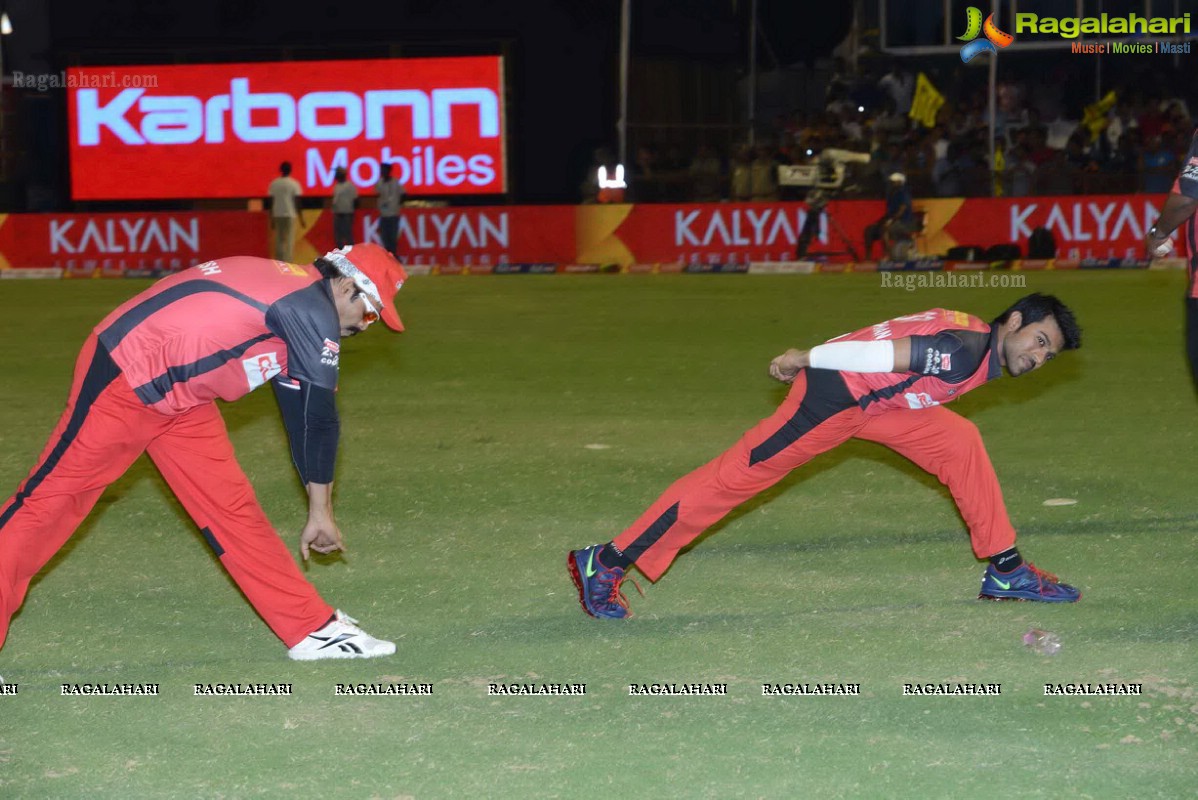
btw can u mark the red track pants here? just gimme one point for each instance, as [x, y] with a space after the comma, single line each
[938, 440]
[102, 432]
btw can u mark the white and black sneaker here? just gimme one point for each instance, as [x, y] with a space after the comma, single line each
[341, 638]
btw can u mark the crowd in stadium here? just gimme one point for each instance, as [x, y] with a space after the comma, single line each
[1052, 138]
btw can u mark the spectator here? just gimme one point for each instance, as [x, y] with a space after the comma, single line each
[1158, 166]
[890, 125]
[1079, 155]
[1120, 121]
[1059, 131]
[764, 172]
[1124, 161]
[899, 84]
[706, 174]
[1054, 177]
[1038, 150]
[390, 197]
[1152, 121]
[1020, 172]
[345, 200]
[852, 126]
[742, 175]
[284, 193]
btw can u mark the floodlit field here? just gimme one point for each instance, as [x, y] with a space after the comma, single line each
[468, 469]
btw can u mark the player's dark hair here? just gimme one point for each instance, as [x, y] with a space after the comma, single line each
[326, 268]
[1035, 307]
[285, 168]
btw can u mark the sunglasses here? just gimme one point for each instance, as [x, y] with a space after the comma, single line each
[370, 315]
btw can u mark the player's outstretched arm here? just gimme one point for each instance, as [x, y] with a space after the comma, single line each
[881, 356]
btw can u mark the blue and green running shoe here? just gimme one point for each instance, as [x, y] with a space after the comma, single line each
[1026, 583]
[598, 585]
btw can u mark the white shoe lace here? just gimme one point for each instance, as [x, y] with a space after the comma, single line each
[349, 622]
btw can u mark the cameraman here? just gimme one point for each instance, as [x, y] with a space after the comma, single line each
[899, 220]
[817, 201]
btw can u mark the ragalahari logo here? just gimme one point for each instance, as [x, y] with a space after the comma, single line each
[993, 36]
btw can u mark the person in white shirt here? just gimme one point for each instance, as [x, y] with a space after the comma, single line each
[285, 192]
[390, 192]
[345, 200]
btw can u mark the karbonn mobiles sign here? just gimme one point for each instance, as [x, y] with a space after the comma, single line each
[221, 130]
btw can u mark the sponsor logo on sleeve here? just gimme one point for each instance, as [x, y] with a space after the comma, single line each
[261, 368]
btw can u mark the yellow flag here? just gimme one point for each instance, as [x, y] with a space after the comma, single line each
[926, 103]
[1095, 120]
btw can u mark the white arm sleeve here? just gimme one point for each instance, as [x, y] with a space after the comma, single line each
[854, 356]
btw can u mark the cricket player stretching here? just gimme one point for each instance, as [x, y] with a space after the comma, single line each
[885, 384]
[146, 381]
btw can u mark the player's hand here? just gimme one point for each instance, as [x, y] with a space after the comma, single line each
[786, 366]
[322, 536]
[1158, 246]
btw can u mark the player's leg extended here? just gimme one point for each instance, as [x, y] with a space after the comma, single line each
[196, 458]
[102, 432]
[950, 447]
[815, 417]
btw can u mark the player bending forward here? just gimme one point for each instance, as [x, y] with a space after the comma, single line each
[146, 381]
[885, 383]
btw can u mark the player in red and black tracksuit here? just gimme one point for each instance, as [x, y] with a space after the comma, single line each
[146, 380]
[886, 383]
[1179, 208]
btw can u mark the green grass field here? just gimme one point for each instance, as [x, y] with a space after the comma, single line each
[464, 478]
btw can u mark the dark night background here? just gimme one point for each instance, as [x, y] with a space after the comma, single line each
[562, 60]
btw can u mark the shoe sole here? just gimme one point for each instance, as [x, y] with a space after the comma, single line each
[340, 655]
[576, 576]
[1037, 599]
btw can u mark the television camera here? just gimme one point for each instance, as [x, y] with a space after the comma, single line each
[822, 179]
[826, 173]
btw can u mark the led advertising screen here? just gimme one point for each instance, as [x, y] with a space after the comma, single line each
[221, 130]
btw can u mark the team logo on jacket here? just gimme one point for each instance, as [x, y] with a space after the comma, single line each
[919, 400]
[261, 368]
[330, 353]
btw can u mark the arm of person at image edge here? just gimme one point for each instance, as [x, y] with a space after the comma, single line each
[1179, 207]
[888, 355]
[306, 400]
